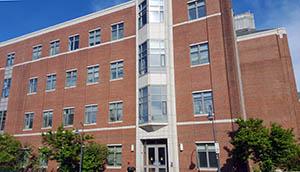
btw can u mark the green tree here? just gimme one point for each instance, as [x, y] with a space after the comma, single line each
[10, 154]
[269, 148]
[15, 157]
[64, 147]
[95, 156]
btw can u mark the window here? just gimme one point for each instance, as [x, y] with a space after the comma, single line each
[25, 157]
[115, 112]
[73, 43]
[199, 54]
[152, 56]
[43, 162]
[95, 37]
[206, 155]
[157, 55]
[203, 103]
[91, 114]
[47, 119]
[28, 121]
[54, 47]
[37, 52]
[2, 120]
[68, 116]
[117, 31]
[51, 82]
[143, 61]
[32, 85]
[92, 74]
[196, 9]
[143, 14]
[10, 59]
[156, 11]
[153, 104]
[116, 70]
[115, 156]
[6, 87]
[71, 78]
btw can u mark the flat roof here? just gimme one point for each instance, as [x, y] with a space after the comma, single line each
[260, 33]
[70, 22]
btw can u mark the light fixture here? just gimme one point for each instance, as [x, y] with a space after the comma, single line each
[181, 147]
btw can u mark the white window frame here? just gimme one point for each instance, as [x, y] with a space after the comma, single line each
[117, 69]
[47, 111]
[85, 114]
[6, 87]
[25, 127]
[93, 74]
[199, 53]
[207, 157]
[10, 59]
[118, 30]
[52, 89]
[30, 92]
[94, 42]
[37, 52]
[114, 146]
[109, 114]
[54, 47]
[66, 82]
[68, 108]
[73, 48]
[199, 92]
[196, 7]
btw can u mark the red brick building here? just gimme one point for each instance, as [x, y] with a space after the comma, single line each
[143, 77]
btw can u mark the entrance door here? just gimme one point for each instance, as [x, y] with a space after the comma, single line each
[156, 158]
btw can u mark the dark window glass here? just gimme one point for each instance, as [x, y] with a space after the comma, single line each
[10, 60]
[199, 54]
[37, 52]
[207, 157]
[116, 70]
[143, 58]
[203, 103]
[73, 43]
[196, 9]
[95, 37]
[117, 31]
[143, 14]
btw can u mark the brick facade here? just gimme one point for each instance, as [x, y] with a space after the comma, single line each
[266, 83]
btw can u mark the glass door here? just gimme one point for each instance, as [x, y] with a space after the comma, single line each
[156, 158]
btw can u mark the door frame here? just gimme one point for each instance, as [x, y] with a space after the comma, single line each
[156, 148]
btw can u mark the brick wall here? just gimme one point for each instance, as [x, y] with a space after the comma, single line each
[268, 80]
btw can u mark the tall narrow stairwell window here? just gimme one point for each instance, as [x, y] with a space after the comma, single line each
[143, 18]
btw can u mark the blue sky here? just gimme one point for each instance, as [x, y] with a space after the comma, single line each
[24, 16]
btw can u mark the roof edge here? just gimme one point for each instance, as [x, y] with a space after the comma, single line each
[69, 23]
[279, 31]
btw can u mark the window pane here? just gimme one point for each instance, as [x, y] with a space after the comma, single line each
[213, 159]
[192, 14]
[110, 159]
[116, 70]
[202, 159]
[201, 11]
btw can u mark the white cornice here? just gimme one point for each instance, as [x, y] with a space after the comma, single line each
[86, 130]
[70, 22]
[279, 31]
